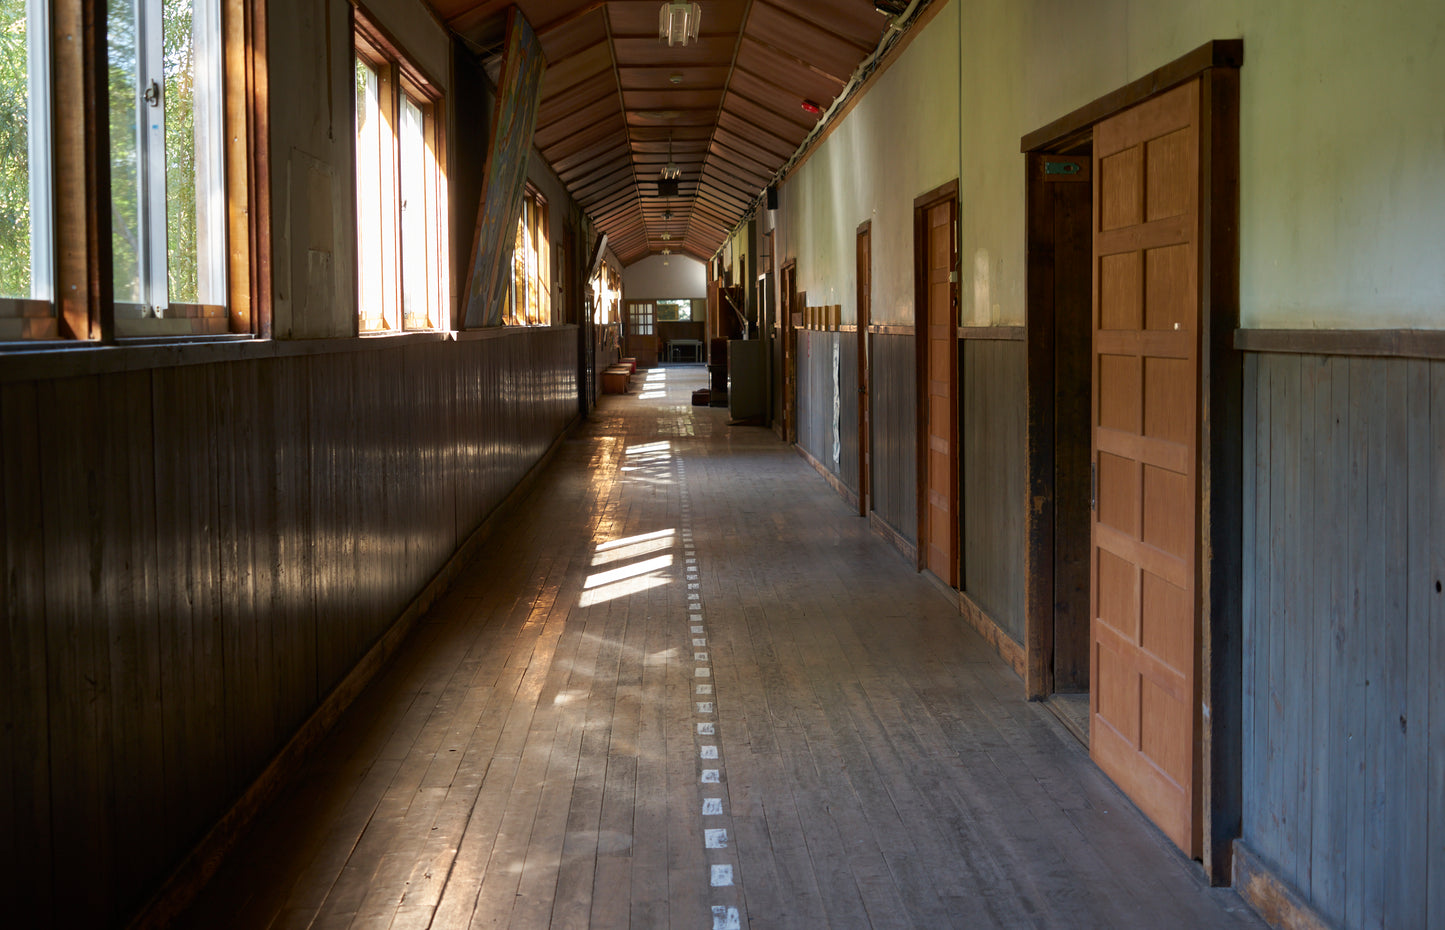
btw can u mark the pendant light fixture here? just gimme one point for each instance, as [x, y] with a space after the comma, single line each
[667, 184]
[670, 171]
[678, 22]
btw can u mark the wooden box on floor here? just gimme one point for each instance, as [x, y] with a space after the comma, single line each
[614, 379]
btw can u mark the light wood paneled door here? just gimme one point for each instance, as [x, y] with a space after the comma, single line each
[1143, 730]
[938, 407]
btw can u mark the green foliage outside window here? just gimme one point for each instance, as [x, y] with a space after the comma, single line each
[14, 151]
[127, 109]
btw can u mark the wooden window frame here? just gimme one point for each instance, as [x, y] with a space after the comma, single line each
[535, 219]
[641, 318]
[400, 78]
[83, 310]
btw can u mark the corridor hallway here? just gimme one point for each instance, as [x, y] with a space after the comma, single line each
[683, 686]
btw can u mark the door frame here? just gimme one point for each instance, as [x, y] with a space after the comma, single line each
[787, 283]
[1218, 546]
[864, 310]
[944, 193]
[1053, 359]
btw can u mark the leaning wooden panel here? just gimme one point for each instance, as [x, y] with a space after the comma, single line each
[1146, 163]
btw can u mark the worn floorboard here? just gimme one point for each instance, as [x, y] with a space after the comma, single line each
[687, 687]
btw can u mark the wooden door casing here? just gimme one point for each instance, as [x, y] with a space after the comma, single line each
[936, 247]
[865, 315]
[1144, 529]
[792, 309]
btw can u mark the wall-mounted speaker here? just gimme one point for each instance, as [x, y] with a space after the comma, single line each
[772, 197]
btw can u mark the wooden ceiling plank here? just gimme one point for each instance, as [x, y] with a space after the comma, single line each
[763, 155]
[759, 136]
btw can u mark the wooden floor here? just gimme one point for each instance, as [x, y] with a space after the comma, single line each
[688, 688]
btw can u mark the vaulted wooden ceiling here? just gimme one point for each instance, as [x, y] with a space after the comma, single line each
[731, 105]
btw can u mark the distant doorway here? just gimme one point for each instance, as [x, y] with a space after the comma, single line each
[1059, 194]
[639, 333]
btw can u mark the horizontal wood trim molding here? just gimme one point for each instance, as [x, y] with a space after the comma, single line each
[847, 328]
[1379, 343]
[891, 329]
[72, 359]
[1218, 53]
[948, 189]
[997, 333]
[197, 869]
[836, 483]
[895, 538]
[1276, 902]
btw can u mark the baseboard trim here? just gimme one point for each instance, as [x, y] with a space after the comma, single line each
[881, 527]
[188, 879]
[978, 618]
[1275, 901]
[836, 483]
[1006, 646]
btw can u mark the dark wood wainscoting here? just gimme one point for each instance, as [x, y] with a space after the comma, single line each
[894, 458]
[1344, 552]
[195, 555]
[994, 475]
[824, 391]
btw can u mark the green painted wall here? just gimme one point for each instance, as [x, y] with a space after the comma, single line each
[1342, 151]
[901, 140]
[1342, 142]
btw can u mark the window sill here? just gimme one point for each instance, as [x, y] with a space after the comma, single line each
[503, 332]
[44, 361]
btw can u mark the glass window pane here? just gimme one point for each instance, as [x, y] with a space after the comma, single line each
[413, 216]
[519, 273]
[168, 227]
[370, 225]
[25, 247]
[195, 210]
[125, 172]
[544, 267]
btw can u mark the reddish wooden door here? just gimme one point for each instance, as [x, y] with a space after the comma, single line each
[1145, 407]
[938, 523]
[791, 312]
[865, 315]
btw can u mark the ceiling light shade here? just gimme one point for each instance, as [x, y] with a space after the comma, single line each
[678, 22]
[670, 171]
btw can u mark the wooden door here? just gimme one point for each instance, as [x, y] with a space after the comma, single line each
[791, 320]
[640, 329]
[1145, 413]
[865, 314]
[938, 409]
